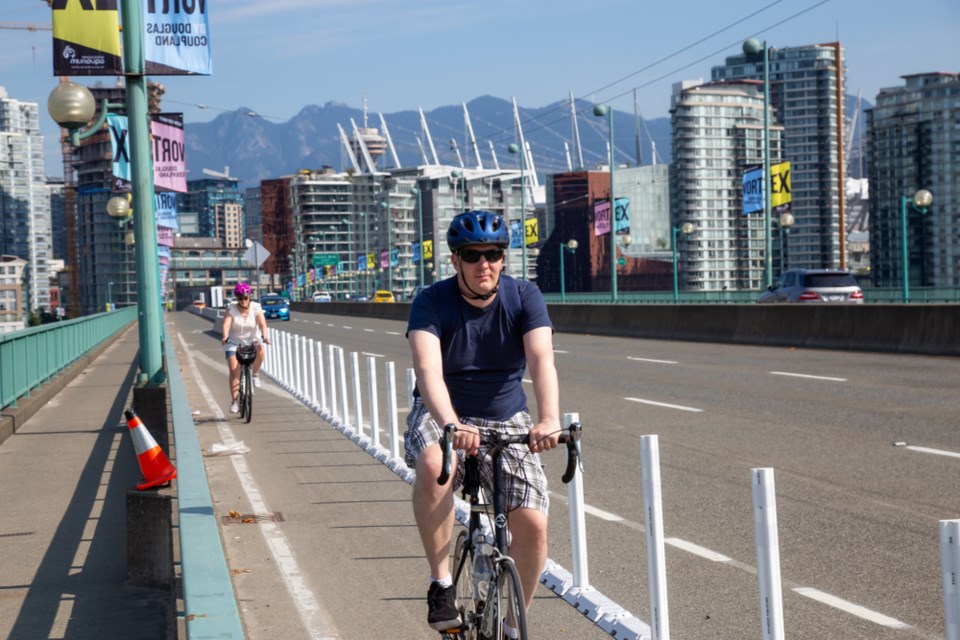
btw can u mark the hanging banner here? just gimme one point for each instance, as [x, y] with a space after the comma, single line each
[165, 205]
[781, 192]
[395, 257]
[416, 253]
[86, 38]
[176, 39]
[169, 161]
[428, 249]
[371, 261]
[516, 240]
[530, 227]
[362, 262]
[384, 259]
[601, 217]
[164, 239]
[120, 148]
[752, 190]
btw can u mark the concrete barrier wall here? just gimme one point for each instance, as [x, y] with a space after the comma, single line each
[931, 329]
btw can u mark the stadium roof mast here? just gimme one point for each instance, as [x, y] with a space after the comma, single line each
[578, 148]
[348, 148]
[423, 152]
[426, 133]
[473, 138]
[393, 149]
[493, 152]
[528, 157]
[456, 150]
[362, 146]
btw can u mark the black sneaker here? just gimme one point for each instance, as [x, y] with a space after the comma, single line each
[442, 607]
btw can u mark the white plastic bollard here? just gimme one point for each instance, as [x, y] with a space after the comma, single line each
[342, 375]
[411, 384]
[372, 400]
[287, 371]
[768, 553]
[305, 368]
[331, 359]
[297, 380]
[358, 405]
[950, 570]
[578, 521]
[392, 410]
[321, 381]
[653, 521]
[312, 361]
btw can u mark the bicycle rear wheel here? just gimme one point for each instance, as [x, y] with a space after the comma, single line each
[508, 601]
[248, 396]
[463, 576]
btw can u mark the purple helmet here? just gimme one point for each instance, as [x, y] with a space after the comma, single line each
[242, 289]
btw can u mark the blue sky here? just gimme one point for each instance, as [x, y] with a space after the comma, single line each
[276, 56]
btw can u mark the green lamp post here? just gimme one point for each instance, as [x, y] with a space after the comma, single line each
[920, 201]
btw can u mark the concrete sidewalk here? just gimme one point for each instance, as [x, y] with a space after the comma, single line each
[63, 482]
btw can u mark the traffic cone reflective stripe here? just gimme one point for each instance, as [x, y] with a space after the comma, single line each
[156, 468]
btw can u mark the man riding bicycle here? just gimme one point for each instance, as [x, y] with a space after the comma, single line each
[472, 336]
[241, 323]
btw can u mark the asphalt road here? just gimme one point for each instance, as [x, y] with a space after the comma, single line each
[857, 515]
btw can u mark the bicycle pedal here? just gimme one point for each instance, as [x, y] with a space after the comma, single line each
[451, 634]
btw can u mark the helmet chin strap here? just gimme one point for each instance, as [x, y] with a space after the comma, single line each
[475, 295]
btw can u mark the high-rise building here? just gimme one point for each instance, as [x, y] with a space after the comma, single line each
[717, 134]
[25, 226]
[913, 137]
[806, 89]
[203, 196]
[229, 224]
[12, 309]
[252, 214]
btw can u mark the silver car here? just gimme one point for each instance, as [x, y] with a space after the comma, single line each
[814, 285]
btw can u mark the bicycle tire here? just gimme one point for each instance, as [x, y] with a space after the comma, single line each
[509, 600]
[466, 605]
[248, 397]
[241, 396]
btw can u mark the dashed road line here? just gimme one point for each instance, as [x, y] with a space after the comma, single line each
[936, 452]
[652, 360]
[804, 375]
[851, 608]
[666, 405]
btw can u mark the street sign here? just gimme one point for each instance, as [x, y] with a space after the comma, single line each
[256, 254]
[621, 261]
[325, 259]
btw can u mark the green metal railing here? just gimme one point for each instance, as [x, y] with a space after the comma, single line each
[30, 357]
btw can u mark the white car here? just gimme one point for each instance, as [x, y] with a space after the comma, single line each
[322, 296]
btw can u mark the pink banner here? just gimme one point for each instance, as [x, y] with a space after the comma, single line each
[601, 218]
[384, 259]
[169, 161]
[164, 236]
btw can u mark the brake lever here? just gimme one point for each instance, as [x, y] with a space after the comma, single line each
[447, 444]
[574, 459]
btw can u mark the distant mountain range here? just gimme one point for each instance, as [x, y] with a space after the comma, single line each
[255, 148]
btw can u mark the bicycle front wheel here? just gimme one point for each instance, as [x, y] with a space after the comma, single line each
[248, 396]
[463, 575]
[508, 602]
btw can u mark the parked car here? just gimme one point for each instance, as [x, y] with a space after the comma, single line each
[814, 285]
[383, 296]
[275, 307]
[415, 292]
[322, 296]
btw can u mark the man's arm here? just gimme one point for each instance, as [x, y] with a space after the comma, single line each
[428, 365]
[538, 347]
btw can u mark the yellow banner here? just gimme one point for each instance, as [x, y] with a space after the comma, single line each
[86, 38]
[781, 191]
[428, 249]
[530, 227]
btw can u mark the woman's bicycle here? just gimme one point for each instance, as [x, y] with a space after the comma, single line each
[246, 355]
[487, 583]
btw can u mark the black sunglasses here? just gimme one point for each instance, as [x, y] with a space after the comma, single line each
[472, 255]
[243, 297]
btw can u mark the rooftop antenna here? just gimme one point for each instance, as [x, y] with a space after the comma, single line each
[636, 127]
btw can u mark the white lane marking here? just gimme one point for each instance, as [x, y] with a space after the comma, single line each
[697, 550]
[314, 617]
[331, 325]
[804, 375]
[560, 351]
[599, 513]
[346, 327]
[369, 330]
[936, 452]
[393, 333]
[316, 322]
[851, 608]
[664, 404]
[652, 360]
[374, 355]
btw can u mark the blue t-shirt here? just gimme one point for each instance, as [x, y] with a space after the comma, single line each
[482, 348]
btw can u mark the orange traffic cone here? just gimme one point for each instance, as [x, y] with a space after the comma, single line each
[156, 468]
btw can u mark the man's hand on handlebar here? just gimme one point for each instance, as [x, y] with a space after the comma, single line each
[544, 436]
[467, 438]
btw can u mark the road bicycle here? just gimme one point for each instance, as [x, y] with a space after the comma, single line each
[486, 580]
[246, 355]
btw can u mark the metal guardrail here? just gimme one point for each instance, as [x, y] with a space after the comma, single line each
[884, 295]
[30, 357]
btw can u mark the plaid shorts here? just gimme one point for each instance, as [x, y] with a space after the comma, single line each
[526, 484]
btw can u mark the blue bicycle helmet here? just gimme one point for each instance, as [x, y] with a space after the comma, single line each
[477, 227]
